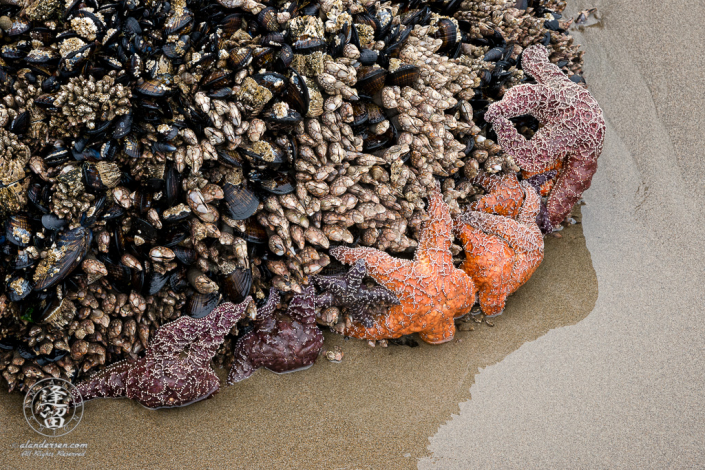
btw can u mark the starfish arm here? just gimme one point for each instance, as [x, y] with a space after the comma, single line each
[384, 268]
[518, 101]
[535, 61]
[532, 203]
[377, 295]
[207, 332]
[485, 180]
[538, 180]
[436, 234]
[334, 284]
[302, 307]
[355, 275]
[572, 182]
[108, 383]
[533, 155]
[242, 367]
[385, 326]
[520, 237]
[325, 300]
[503, 196]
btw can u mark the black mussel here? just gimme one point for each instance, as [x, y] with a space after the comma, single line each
[375, 114]
[375, 142]
[40, 196]
[21, 260]
[123, 125]
[176, 213]
[286, 56]
[360, 115]
[145, 230]
[199, 305]
[51, 85]
[46, 101]
[237, 284]
[225, 92]
[216, 79]
[297, 93]
[404, 75]
[281, 183]
[254, 232]
[368, 19]
[132, 146]
[239, 201]
[176, 50]
[368, 57]
[447, 31]
[62, 259]
[57, 156]
[18, 27]
[42, 55]
[52, 222]
[263, 155]
[280, 116]
[154, 87]
[175, 234]
[163, 147]
[264, 57]
[267, 19]
[113, 212]
[494, 54]
[275, 39]
[240, 57]
[370, 80]
[185, 255]
[552, 25]
[20, 123]
[99, 128]
[229, 157]
[154, 282]
[231, 23]
[18, 230]
[172, 183]
[577, 79]
[12, 51]
[309, 46]
[18, 287]
[178, 23]
[92, 178]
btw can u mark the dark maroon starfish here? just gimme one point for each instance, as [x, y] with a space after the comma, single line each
[176, 369]
[348, 291]
[281, 345]
[542, 218]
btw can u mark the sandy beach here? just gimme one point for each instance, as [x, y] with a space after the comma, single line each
[596, 362]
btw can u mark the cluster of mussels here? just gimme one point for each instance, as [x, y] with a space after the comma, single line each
[160, 157]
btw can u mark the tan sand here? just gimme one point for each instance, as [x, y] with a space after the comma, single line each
[624, 387]
[376, 409]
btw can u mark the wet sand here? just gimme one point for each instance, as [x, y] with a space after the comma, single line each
[375, 409]
[624, 387]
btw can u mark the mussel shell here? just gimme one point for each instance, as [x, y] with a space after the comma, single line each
[368, 57]
[18, 27]
[20, 123]
[51, 85]
[370, 80]
[42, 55]
[153, 87]
[281, 183]
[154, 282]
[282, 122]
[225, 92]
[73, 246]
[375, 114]
[132, 147]
[52, 222]
[239, 201]
[237, 284]
[123, 125]
[176, 23]
[267, 18]
[199, 305]
[216, 79]
[185, 255]
[404, 75]
[229, 157]
[274, 82]
[494, 54]
[145, 230]
[447, 32]
[360, 115]
[18, 230]
[254, 232]
[297, 93]
[309, 46]
[18, 287]
[240, 57]
[264, 57]
[21, 260]
[231, 23]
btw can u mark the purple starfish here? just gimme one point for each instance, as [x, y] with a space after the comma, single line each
[280, 345]
[542, 219]
[175, 370]
[348, 291]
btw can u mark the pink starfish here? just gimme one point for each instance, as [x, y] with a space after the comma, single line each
[176, 369]
[573, 129]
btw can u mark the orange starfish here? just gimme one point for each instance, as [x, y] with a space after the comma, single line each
[431, 290]
[504, 194]
[501, 253]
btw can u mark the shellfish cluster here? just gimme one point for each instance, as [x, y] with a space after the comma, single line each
[158, 158]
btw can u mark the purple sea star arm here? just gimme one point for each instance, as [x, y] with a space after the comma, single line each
[208, 332]
[520, 100]
[538, 180]
[533, 155]
[265, 320]
[108, 383]
[302, 307]
[535, 62]
[242, 367]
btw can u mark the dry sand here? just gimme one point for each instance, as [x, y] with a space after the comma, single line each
[624, 387]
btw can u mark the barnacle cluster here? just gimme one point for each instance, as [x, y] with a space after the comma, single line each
[158, 158]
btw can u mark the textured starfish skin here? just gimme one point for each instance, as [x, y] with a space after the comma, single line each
[503, 194]
[348, 291]
[176, 369]
[573, 129]
[542, 218]
[277, 344]
[431, 290]
[501, 253]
